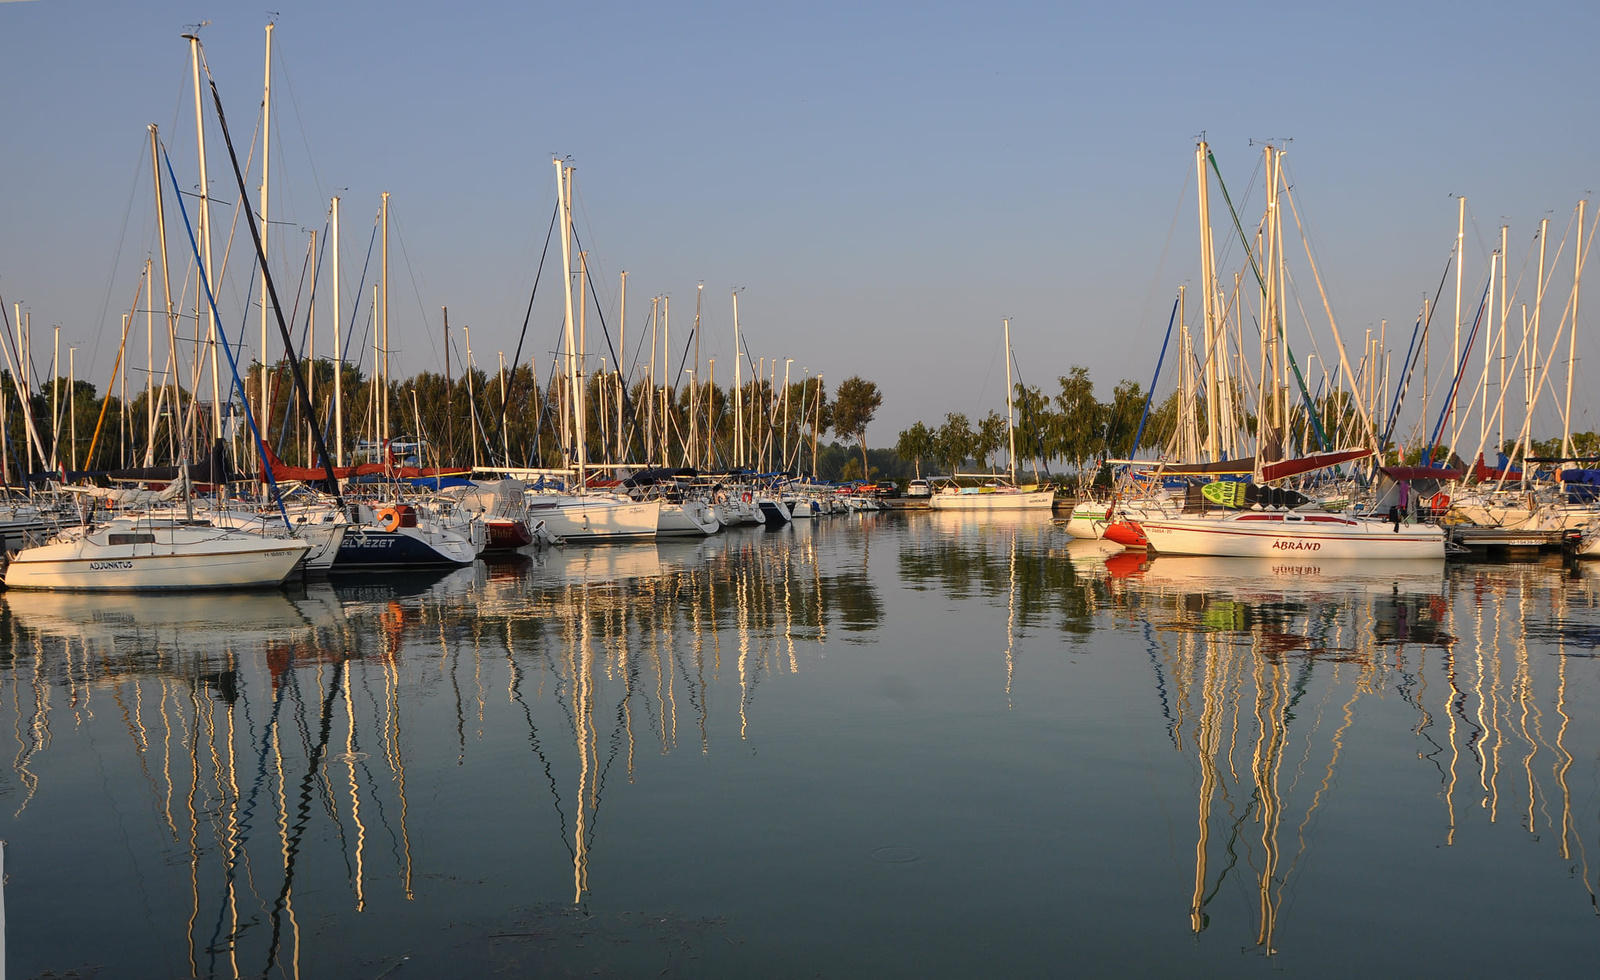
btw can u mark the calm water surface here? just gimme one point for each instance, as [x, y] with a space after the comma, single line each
[871, 746]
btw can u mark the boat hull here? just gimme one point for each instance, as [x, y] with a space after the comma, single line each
[370, 548]
[1024, 500]
[1277, 535]
[1088, 520]
[579, 519]
[172, 562]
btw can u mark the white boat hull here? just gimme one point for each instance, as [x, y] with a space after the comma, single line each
[691, 517]
[596, 518]
[175, 557]
[1088, 520]
[994, 500]
[1264, 534]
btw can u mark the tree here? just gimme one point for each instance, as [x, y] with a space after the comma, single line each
[854, 405]
[1078, 417]
[915, 443]
[991, 436]
[1035, 422]
[953, 442]
[1122, 415]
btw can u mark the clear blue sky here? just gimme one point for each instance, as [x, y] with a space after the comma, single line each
[885, 181]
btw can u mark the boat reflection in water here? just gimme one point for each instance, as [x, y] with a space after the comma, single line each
[1263, 669]
[583, 760]
[277, 737]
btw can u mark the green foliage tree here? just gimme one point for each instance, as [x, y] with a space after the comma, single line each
[915, 443]
[1122, 416]
[1078, 419]
[854, 405]
[954, 441]
[991, 436]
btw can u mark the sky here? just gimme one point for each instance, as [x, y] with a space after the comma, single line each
[884, 182]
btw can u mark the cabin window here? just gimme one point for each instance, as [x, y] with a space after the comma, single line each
[138, 537]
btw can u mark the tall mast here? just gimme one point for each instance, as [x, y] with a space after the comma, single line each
[1207, 303]
[1533, 346]
[1572, 342]
[449, 400]
[1011, 432]
[384, 331]
[1488, 356]
[505, 440]
[166, 285]
[311, 345]
[205, 229]
[622, 384]
[738, 393]
[1455, 350]
[338, 357]
[1505, 311]
[564, 192]
[694, 386]
[666, 377]
[650, 416]
[266, 223]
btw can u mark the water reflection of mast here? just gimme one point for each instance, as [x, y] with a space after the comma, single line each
[1208, 741]
[302, 819]
[1011, 618]
[583, 730]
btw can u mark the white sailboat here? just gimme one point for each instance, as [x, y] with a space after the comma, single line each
[135, 553]
[997, 496]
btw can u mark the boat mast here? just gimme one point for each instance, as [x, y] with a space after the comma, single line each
[1505, 311]
[166, 285]
[1011, 431]
[449, 400]
[266, 223]
[311, 345]
[384, 330]
[666, 379]
[1208, 304]
[650, 415]
[338, 357]
[694, 383]
[738, 392]
[1572, 342]
[622, 385]
[1455, 350]
[205, 240]
[564, 192]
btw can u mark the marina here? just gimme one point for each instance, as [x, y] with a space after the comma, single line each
[922, 744]
[411, 569]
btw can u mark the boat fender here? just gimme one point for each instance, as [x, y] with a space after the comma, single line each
[389, 519]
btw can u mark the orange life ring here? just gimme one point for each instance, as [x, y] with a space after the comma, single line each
[1440, 501]
[747, 496]
[389, 519]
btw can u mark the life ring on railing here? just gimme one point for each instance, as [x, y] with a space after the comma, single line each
[747, 496]
[389, 519]
[1439, 502]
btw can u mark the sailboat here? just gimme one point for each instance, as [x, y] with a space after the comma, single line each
[145, 552]
[995, 495]
[584, 516]
[1274, 526]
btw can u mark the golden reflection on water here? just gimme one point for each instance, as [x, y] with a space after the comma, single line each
[286, 735]
[635, 633]
[1270, 660]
